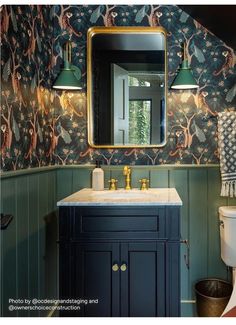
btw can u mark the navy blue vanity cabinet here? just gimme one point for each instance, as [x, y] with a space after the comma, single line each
[94, 278]
[126, 259]
[142, 284]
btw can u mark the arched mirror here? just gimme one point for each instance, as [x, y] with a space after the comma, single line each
[127, 86]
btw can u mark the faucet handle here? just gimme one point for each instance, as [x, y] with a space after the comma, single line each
[144, 184]
[113, 184]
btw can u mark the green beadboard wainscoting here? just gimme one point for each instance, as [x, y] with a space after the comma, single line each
[28, 245]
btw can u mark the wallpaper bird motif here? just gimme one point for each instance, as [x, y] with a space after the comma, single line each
[41, 126]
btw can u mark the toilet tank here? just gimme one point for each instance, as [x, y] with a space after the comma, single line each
[227, 217]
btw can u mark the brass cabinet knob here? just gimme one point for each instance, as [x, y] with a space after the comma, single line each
[123, 267]
[113, 184]
[115, 267]
[144, 184]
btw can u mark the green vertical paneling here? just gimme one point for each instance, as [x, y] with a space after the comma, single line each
[51, 266]
[159, 178]
[29, 249]
[107, 177]
[188, 310]
[8, 247]
[81, 177]
[31, 200]
[22, 216]
[43, 211]
[214, 202]
[34, 259]
[51, 190]
[231, 201]
[137, 174]
[117, 173]
[179, 180]
[51, 237]
[198, 208]
[64, 183]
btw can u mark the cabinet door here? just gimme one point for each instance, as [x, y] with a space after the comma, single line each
[143, 279]
[96, 278]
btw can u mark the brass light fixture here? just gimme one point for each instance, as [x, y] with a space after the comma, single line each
[69, 77]
[184, 78]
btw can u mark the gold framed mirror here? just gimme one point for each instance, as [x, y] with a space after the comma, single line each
[127, 87]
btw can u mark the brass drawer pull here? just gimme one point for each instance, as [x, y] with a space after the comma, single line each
[123, 267]
[115, 267]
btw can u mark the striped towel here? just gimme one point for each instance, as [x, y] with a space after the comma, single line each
[227, 149]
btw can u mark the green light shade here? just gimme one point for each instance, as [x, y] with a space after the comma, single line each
[184, 78]
[68, 78]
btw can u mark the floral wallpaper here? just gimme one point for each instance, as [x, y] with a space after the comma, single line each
[40, 126]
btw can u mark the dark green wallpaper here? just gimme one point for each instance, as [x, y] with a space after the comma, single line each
[26, 97]
[41, 127]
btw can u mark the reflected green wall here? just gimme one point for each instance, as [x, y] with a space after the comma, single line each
[28, 245]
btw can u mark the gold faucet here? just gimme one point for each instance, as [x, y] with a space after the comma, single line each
[127, 173]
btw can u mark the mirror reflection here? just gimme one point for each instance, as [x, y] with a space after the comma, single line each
[127, 87]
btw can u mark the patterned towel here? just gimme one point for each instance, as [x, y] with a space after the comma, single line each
[227, 149]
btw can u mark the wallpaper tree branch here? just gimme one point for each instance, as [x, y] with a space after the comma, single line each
[41, 127]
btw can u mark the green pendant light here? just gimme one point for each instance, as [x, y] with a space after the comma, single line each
[69, 77]
[184, 78]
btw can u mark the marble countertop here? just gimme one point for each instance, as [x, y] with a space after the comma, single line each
[134, 197]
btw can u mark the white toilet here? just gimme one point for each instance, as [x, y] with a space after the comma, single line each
[227, 215]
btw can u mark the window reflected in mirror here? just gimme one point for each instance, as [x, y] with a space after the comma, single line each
[139, 121]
